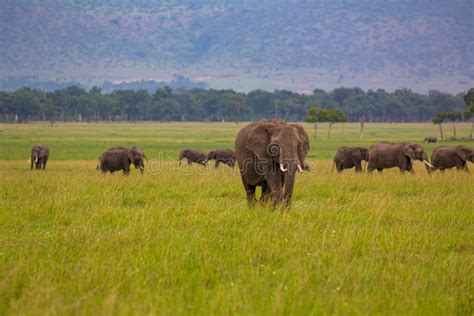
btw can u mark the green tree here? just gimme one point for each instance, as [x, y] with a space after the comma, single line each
[454, 117]
[334, 116]
[51, 111]
[439, 119]
[26, 103]
[315, 115]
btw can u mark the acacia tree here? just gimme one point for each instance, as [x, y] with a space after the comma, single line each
[362, 122]
[438, 119]
[454, 117]
[334, 116]
[315, 115]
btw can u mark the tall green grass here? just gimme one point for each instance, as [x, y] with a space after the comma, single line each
[182, 241]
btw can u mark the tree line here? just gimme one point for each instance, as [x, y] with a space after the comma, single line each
[77, 104]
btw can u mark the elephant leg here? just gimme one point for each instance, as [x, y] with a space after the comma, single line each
[216, 165]
[370, 167]
[126, 169]
[265, 193]
[250, 192]
[380, 170]
[358, 166]
[189, 162]
[44, 163]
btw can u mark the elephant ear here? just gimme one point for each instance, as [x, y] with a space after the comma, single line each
[130, 156]
[357, 153]
[303, 137]
[303, 146]
[409, 151]
[364, 153]
[258, 141]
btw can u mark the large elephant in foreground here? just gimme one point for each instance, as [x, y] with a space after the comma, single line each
[349, 157]
[39, 156]
[120, 158]
[269, 154]
[385, 155]
[445, 157]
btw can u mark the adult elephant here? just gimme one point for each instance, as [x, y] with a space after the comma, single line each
[120, 158]
[268, 155]
[225, 156]
[445, 157]
[385, 155]
[39, 156]
[193, 155]
[349, 157]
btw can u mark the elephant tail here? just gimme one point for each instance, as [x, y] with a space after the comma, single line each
[333, 164]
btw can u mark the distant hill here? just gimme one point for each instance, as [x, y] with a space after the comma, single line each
[244, 45]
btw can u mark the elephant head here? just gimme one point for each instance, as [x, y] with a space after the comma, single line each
[282, 148]
[364, 152]
[417, 152]
[136, 156]
[466, 154]
[211, 155]
[284, 144]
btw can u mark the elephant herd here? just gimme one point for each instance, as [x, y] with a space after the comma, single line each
[385, 155]
[270, 153]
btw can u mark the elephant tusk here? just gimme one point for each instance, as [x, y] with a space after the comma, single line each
[427, 163]
[300, 169]
[36, 160]
[141, 168]
[282, 168]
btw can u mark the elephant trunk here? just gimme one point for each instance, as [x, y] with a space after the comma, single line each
[33, 160]
[289, 182]
[289, 168]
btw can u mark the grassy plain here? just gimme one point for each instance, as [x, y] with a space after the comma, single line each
[73, 241]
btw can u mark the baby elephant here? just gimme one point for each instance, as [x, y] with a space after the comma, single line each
[120, 158]
[193, 155]
[39, 156]
[445, 157]
[430, 139]
[349, 157]
[225, 156]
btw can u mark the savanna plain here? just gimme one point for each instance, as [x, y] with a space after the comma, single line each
[181, 240]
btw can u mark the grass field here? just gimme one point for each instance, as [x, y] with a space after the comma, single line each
[182, 241]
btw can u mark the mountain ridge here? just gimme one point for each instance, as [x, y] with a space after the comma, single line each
[244, 45]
